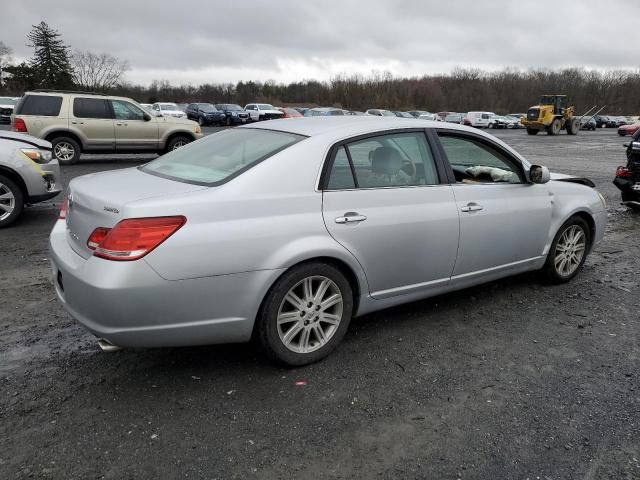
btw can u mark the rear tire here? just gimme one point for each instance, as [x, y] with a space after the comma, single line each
[66, 150]
[568, 251]
[11, 201]
[532, 131]
[555, 127]
[177, 142]
[228, 121]
[293, 327]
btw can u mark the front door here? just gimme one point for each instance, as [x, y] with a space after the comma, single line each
[385, 204]
[504, 220]
[134, 130]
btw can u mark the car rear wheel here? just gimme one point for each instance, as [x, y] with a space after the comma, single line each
[305, 315]
[11, 201]
[66, 150]
[568, 251]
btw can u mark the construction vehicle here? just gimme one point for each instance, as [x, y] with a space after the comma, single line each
[553, 115]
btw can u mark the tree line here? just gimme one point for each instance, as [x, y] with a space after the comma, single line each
[55, 65]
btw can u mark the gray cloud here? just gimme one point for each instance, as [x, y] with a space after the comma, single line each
[285, 40]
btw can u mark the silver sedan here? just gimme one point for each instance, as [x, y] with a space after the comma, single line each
[283, 231]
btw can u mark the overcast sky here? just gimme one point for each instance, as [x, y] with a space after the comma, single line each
[192, 41]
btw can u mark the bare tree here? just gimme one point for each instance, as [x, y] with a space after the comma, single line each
[5, 60]
[97, 71]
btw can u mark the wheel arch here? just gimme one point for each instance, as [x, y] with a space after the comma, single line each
[587, 217]
[180, 133]
[64, 133]
[15, 177]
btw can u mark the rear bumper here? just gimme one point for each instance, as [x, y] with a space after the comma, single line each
[130, 305]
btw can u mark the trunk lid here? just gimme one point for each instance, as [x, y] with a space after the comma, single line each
[98, 200]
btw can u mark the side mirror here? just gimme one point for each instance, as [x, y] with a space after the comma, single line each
[146, 117]
[539, 174]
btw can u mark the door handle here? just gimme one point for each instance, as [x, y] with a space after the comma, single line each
[471, 207]
[351, 217]
[121, 124]
[78, 123]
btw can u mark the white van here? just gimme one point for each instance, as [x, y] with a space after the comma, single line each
[479, 119]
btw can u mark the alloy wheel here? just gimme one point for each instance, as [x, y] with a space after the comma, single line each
[570, 250]
[7, 201]
[64, 151]
[310, 314]
[178, 144]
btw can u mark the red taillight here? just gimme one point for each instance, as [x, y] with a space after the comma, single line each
[97, 237]
[623, 172]
[63, 209]
[133, 238]
[19, 125]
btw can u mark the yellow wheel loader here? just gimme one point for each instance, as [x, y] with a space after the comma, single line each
[551, 115]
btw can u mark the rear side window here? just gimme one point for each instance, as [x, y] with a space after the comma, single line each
[41, 105]
[219, 157]
[91, 108]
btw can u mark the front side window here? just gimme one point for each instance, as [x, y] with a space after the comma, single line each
[40, 105]
[473, 161]
[221, 156]
[90, 108]
[126, 111]
[394, 160]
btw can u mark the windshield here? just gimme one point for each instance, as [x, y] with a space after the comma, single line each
[206, 107]
[168, 106]
[7, 101]
[265, 106]
[221, 156]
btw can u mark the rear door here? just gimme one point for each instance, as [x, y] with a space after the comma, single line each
[133, 129]
[384, 202]
[93, 117]
[504, 220]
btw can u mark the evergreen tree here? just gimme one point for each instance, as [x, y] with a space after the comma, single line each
[50, 62]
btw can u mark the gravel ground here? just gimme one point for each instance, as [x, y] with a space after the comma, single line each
[512, 379]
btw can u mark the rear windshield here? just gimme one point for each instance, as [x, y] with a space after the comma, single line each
[43, 105]
[219, 157]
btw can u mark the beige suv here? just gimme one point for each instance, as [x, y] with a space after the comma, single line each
[77, 122]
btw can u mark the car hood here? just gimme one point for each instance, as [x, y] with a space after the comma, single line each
[277, 112]
[173, 112]
[179, 121]
[21, 137]
[561, 177]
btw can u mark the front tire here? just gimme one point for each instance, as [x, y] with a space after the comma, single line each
[66, 150]
[177, 142]
[201, 121]
[573, 127]
[305, 315]
[555, 127]
[11, 201]
[568, 251]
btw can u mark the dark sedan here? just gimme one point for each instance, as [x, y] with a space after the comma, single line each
[234, 114]
[205, 114]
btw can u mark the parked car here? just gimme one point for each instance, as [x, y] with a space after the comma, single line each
[588, 123]
[454, 118]
[513, 122]
[205, 114]
[429, 116]
[132, 254]
[235, 114]
[618, 121]
[479, 119]
[627, 177]
[625, 130]
[498, 121]
[302, 110]
[602, 121]
[354, 112]
[290, 112]
[403, 115]
[83, 122]
[417, 113]
[7, 104]
[166, 109]
[262, 111]
[324, 112]
[28, 174]
[376, 112]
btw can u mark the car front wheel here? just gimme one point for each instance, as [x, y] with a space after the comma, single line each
[568, 251]
[305, 314]
[11, 201]
[177, 142]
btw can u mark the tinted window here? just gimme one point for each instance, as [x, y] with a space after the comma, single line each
[90, 108]
[44, 105]
[341, 176]
[126, 111]
[476, 162]
[394, 160]
[220, 156]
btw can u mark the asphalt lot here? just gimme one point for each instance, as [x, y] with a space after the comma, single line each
[513, 379]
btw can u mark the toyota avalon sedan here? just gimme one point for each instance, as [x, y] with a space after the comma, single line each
[282, 232]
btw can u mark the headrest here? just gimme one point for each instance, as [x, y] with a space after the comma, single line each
[386, 160]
